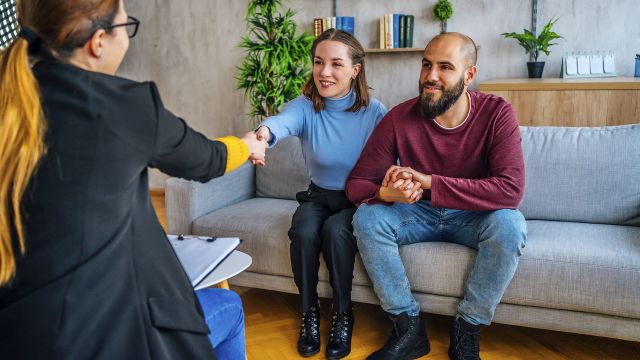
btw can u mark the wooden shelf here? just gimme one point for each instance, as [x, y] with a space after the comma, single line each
[523, 84]
[398, 50]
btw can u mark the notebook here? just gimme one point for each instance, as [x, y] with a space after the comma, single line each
[199, 255]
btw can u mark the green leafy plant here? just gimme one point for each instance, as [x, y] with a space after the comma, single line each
[277, 61]
[442, 11]
[534, 45]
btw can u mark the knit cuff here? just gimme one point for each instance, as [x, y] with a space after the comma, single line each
[237, 152]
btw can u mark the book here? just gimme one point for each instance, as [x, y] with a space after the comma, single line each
[338, 22]
[396, 31]
[348, 24]
[403, 31]
[388, 31]
[317, 27]
[382, 36]
[199, 255]
[409, 30]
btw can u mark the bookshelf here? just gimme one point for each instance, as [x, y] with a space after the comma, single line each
[396, 50]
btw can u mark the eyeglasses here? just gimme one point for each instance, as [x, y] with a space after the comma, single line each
[131, 26]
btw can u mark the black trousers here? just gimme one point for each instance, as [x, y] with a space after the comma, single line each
[322, 223]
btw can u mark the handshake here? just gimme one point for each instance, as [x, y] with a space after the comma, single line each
[257, 142]
[403, 184]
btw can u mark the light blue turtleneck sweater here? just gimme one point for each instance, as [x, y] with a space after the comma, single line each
[331, 139]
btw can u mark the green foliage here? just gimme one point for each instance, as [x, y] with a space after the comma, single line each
[534, 45]
[277, 61]
[443, 10]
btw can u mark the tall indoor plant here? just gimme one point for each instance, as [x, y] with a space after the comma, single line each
[534, 45]
[442, 11]
[277, 61]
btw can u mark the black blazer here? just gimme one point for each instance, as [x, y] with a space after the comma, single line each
[99, 280]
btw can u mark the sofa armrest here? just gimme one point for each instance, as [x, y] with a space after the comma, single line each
[186, 200]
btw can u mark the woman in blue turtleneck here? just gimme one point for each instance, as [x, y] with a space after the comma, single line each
[333, 120]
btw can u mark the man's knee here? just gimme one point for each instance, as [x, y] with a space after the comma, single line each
[509, 228]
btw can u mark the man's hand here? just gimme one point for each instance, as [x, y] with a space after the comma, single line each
[398, 176]
[407, 192]
[257, 148]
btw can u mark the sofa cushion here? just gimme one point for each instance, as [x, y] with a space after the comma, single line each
[262, 224]
[284, 173]
[582, 174]
[565, 265]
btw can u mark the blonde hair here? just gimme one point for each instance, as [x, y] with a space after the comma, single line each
[21, 146]
[62, 26]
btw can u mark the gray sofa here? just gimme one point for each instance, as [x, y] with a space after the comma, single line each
[580, 271]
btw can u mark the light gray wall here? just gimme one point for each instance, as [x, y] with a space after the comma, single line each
[190, 48]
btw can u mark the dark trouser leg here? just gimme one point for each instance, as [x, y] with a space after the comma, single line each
[305, 249]
[339, 250]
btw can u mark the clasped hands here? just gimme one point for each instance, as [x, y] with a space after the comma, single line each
[403, 184]
[257, 142]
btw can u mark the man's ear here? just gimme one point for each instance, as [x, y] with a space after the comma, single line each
[470, 74]
[95, 43]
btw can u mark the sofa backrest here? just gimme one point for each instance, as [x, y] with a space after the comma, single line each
[582, 174]
[572, 174]
[284, 173]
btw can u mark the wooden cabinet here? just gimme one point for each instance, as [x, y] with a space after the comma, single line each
[570, 102]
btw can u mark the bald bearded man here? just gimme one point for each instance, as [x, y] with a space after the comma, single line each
[460, 179]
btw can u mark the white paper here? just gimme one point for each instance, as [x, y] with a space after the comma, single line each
[199, 257]
[583, 64]
[595, 62]
[609, 64]
[571, 64]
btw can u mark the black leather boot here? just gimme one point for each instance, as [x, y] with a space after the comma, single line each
[407, 341]
[309, 340]
[464, 343]
[339, 344]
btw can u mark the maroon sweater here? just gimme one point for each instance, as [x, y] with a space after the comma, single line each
[476, 166]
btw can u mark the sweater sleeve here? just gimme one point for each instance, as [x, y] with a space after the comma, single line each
[378, 155]
[289, 122]
[503, 188]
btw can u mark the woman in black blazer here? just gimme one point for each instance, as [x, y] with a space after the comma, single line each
[86, 271]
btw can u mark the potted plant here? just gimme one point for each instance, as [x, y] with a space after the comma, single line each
[442, 11]
[277, 61]
[534, 45]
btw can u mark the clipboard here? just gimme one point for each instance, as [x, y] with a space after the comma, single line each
[200, 255]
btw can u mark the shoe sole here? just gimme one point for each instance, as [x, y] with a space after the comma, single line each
[338, 357]
[422, 349]
[309, 354]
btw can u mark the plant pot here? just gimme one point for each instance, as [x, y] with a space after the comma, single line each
[535, 69]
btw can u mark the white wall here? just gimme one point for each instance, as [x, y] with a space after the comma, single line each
[190, 48]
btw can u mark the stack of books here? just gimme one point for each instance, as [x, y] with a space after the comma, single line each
[345, 23]
[396, 31]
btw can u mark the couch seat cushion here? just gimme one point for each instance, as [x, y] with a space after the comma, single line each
[565, 265]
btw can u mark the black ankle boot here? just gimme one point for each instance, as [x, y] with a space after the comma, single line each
[407, 341]
[339, 344]
[464, 343]
[309, 340]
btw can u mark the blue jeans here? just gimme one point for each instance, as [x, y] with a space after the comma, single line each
[225, 320]
[499, 236]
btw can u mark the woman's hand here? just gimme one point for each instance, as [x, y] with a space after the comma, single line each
[257, 148]
[263, 133]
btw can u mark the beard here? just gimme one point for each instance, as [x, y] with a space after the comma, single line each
[430, 108]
